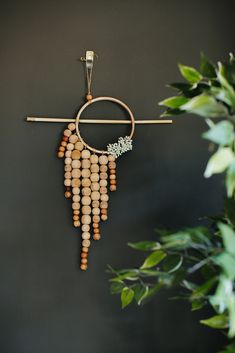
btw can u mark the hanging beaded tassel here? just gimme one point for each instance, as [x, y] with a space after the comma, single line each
[86, 181]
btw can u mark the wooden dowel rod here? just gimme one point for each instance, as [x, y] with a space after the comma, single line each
[95, 121]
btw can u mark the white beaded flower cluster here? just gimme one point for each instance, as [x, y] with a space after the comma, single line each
[123, 145]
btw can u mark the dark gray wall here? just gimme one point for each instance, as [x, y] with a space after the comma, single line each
[47, 304]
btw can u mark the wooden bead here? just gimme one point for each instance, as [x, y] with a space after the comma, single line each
[63, 143]
[83, 261]
[95, 186]
[96, 236]
[103, 175]
[95, 211]
[83, 267]
[85, 227]
[89, 97]
[86, 210]
[103, 182]
[85, 249]
[86, 163]
[67, 182]
[75, 205]
[76, 198]
[67, 133]
[112, 171]
[103, 190]
[112, 188]
[76, 218]
[104, 197]
[111, 158]
[112, 182]
[94, 159]
[67, 194]
[67, 175]
[112, 177]
[67, 168]
[95, 168]
[79, 146]
[76, 191]
[103, 168]
[76, 154]
[61, 149]
[76, 224]
[86, 200]
[76, 173]
[103, 159]
[95, 195]
[86, 173]
[76, 163]
[86, 219]
[86, 191]
[96, 219]
[68, 160]
[95, 203]
[70, 146]
[104, 204]
[104, 211]
[94, 177]
[86, 154]
[112, 165]
[76, 212]
[65, 139]
[96, 230]
[86, 235]
[86, 182]
[95, 225]
[73, 139]
[60, 154]
[86, 243]
[84, 255]
[71, 126]
[68, 153]
[76, 183]
[104, 217]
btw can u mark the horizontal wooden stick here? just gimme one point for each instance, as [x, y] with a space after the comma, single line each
[95, 121]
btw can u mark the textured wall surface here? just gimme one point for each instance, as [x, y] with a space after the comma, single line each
[47, 305]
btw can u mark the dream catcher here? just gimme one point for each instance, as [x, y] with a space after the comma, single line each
[89, 173]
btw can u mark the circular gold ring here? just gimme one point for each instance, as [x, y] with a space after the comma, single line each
[110, 99]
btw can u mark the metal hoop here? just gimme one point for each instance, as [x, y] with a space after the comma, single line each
[110, 99]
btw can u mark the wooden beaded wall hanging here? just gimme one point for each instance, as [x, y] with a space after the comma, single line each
[89, 172]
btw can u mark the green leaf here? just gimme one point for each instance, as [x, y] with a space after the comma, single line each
[153, 259]
[190, 74]
[228, 235]
[126, 296]
[229, 209]
[141, 292]
[197, 305]
[205, 106]
[174, 102]
[145, 245]
[116, 287]
[231, 311]
[153, 290]
[207, 68]
[204, 289]
[221, 133]
[227, 262]
[219, 161]
[230, 180]
[222, 76]
[172, 263]
[217, 321]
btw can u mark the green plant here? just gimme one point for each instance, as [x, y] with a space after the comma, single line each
[200, 261]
